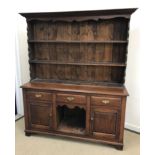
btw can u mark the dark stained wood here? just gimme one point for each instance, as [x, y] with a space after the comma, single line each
[38, 112]
[78, 54]
[52, 31]
[107, 118]
[77, 68]
[105, 122]
[71, 119]
[54, 112]
[70, 98]
[40, 30]
[106, 101]
[40, 96]
[119, 147]
[27, 133]
[77, 63]
[63, 127]
[78, 41]
[79, 82]
[26, 117]
[39, 115]
[115, 12]
[88, 116]
[119, 91]
[122, 120]
[79, 137]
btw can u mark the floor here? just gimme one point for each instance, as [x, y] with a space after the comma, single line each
[48, 145]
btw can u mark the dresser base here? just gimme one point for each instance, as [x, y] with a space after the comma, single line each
[89, 113]
[118, 146]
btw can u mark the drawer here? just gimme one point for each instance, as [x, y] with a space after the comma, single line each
[39, 96]
[71, 98]
[106, 101]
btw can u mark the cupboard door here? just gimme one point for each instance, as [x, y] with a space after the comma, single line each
[40, 114]
[105, 123]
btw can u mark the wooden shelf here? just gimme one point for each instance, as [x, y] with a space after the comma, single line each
[78, 41]
[89, 50]
[77, 63]
[63, 127]
[79, 82]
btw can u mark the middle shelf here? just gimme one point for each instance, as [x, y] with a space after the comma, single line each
[87, 54]
[78, 63]
[80, 41]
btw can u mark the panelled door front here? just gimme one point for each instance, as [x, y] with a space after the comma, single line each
[40, 110]
[104, 122]
[40, 115]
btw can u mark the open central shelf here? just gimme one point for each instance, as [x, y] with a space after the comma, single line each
[64, 127]
[71, 120]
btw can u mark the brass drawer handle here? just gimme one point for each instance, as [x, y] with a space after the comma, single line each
[38, 95]
[70, 98]
[92, 118]
[50, 115]
[105, 101]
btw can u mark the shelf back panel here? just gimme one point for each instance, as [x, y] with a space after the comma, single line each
[73, 73]
[109, 29]
[82, 53]
[79, 48]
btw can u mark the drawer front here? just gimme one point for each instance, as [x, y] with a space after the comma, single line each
[39, 96]
[106, 101]
[70, 98]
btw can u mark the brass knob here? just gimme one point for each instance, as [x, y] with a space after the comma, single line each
[38, 95]
[92, 118]
[70, 98]
[105, 101]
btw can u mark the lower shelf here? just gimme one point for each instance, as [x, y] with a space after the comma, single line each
[71, 120]
[63, 127]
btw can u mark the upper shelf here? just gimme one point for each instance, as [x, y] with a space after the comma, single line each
[112, 64]
[77, 41]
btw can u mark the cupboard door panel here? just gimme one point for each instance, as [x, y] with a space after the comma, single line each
[105, 123]
[40, 115]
